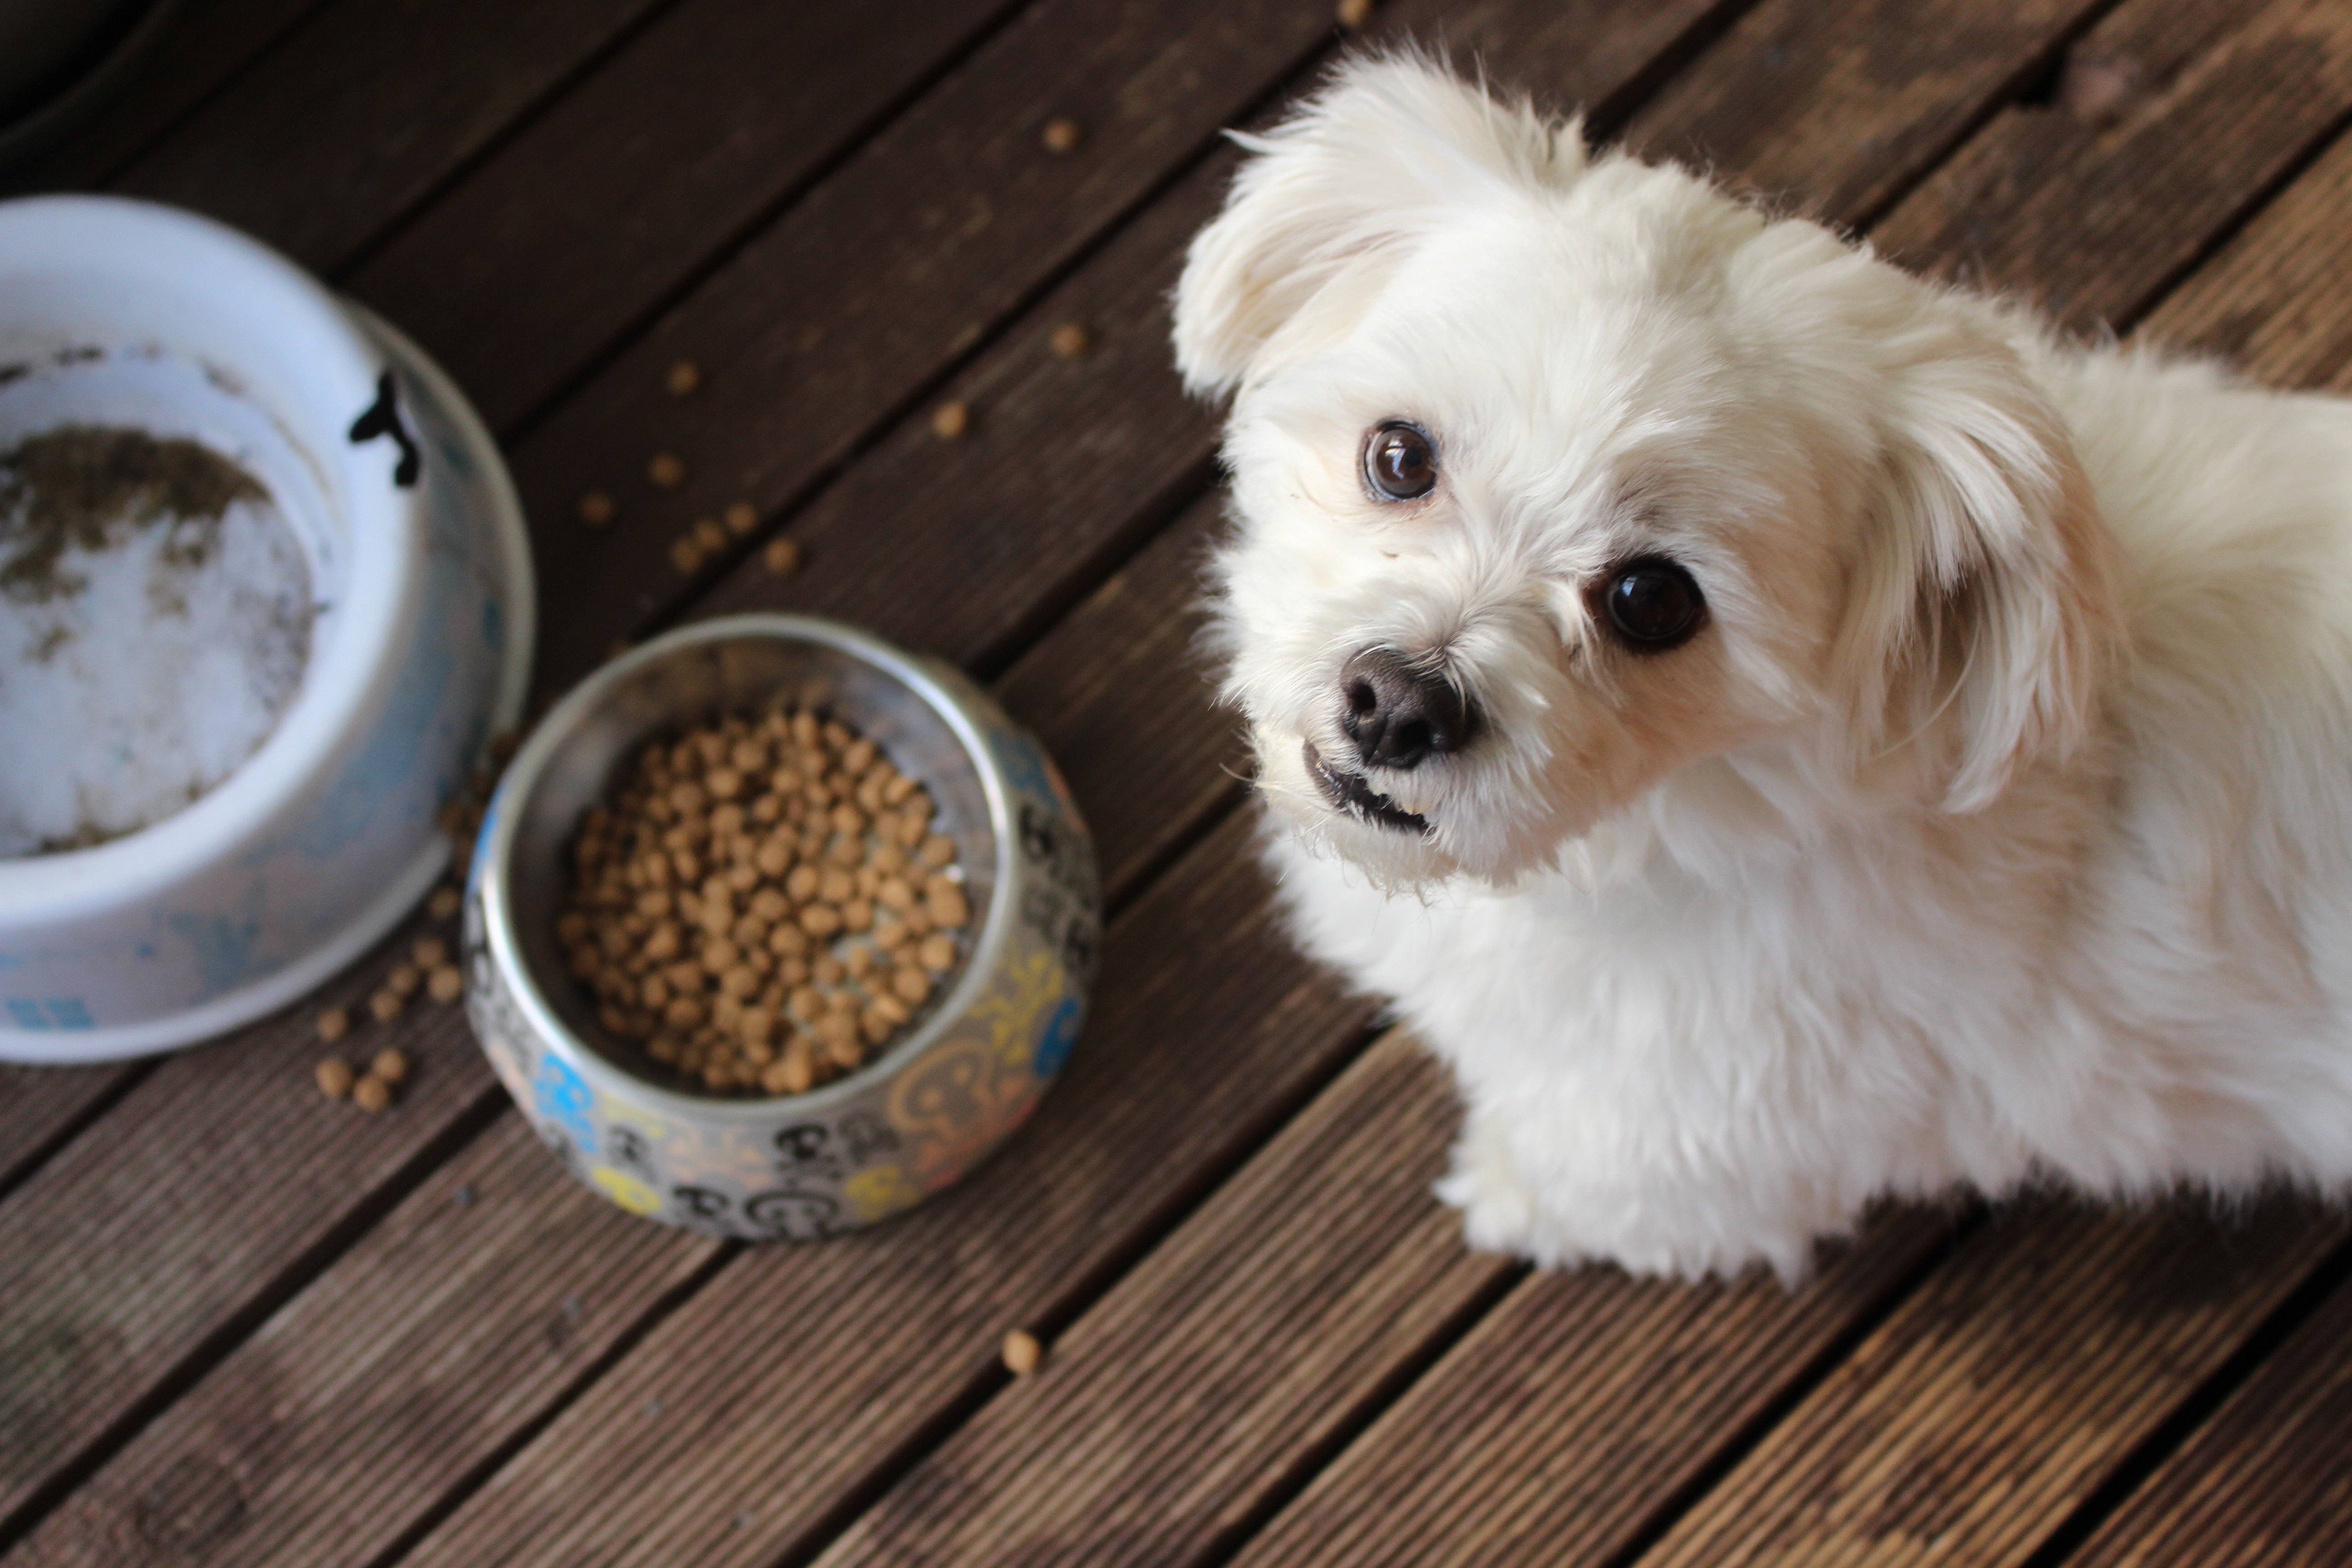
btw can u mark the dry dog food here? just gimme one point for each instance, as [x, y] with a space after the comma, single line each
[950, 420]
[763, 906]
[684, 377]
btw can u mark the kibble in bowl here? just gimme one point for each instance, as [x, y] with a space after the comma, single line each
[774, 929]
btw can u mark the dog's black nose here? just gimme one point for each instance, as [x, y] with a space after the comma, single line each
[1398, 714]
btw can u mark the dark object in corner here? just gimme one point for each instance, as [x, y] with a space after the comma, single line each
[60, 58]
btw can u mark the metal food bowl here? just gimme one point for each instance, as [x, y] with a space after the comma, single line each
[864, 1147]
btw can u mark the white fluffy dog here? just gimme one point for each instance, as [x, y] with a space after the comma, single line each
[1784, 731]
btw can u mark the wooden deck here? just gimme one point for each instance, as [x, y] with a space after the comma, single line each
[239, 1325]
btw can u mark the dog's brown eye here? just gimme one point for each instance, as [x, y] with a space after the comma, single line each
[1653, 604]
[1399, 463]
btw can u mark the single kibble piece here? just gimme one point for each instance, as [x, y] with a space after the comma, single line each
[1070, 340]
[665, 470]
[950, 420]
[1022, 1353]
[684, 377]
[430, 953]
[1063, 135]
[444, 904]
[386, 1005]
[710, 535]
[334, 1078]
[334, 1024]
[1354, 13]
[937, 953]
[685, 554]
[390, 1065]
[595, 509]
[782, 557]
[446, 984]
[403, 980]
[740, 516]
[371, 1094]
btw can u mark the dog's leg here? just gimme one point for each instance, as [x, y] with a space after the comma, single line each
[1498, 1212]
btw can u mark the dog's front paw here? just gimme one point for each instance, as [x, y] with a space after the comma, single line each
[1498, 1211]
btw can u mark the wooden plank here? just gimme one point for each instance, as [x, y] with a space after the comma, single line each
[727, 1434]
[1066, 461]
[208, 44]
[358, 1406]
[170, 1215]
[1120, 693]
[38, 1105]
[2263, 1481]
[1998, 1397]
[606, 204]
[1170, 1413]
[1578, 1409]
[362, 112]
[2208, 105]
[899, 263]
[2276, 299]
[1773, 103]
[1244, 1337]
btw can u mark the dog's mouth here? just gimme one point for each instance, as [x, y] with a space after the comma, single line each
[1349, 792]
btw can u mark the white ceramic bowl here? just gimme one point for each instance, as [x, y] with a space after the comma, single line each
[121, 311]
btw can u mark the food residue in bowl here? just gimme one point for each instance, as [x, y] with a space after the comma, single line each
[155, 621]
[761, 905]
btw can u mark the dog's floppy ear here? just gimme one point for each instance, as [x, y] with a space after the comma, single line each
[1383, 153]
[1983, 615]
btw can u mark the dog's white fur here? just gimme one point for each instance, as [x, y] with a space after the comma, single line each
[1997, 824]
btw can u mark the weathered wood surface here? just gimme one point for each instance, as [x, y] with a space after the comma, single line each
[1247, 1338]
[2275, 301]
[2207, 105]
[908, 256]
[600, 210]
[371, 1394]
[40, 1106]
[247, 1348]
[1576, 1412]
[362, 112]
[681, 1453]
[1995, 1400]
[214, 1183]
[209, 45]
[2264, 1484]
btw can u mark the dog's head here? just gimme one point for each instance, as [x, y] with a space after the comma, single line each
[1561, 483]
